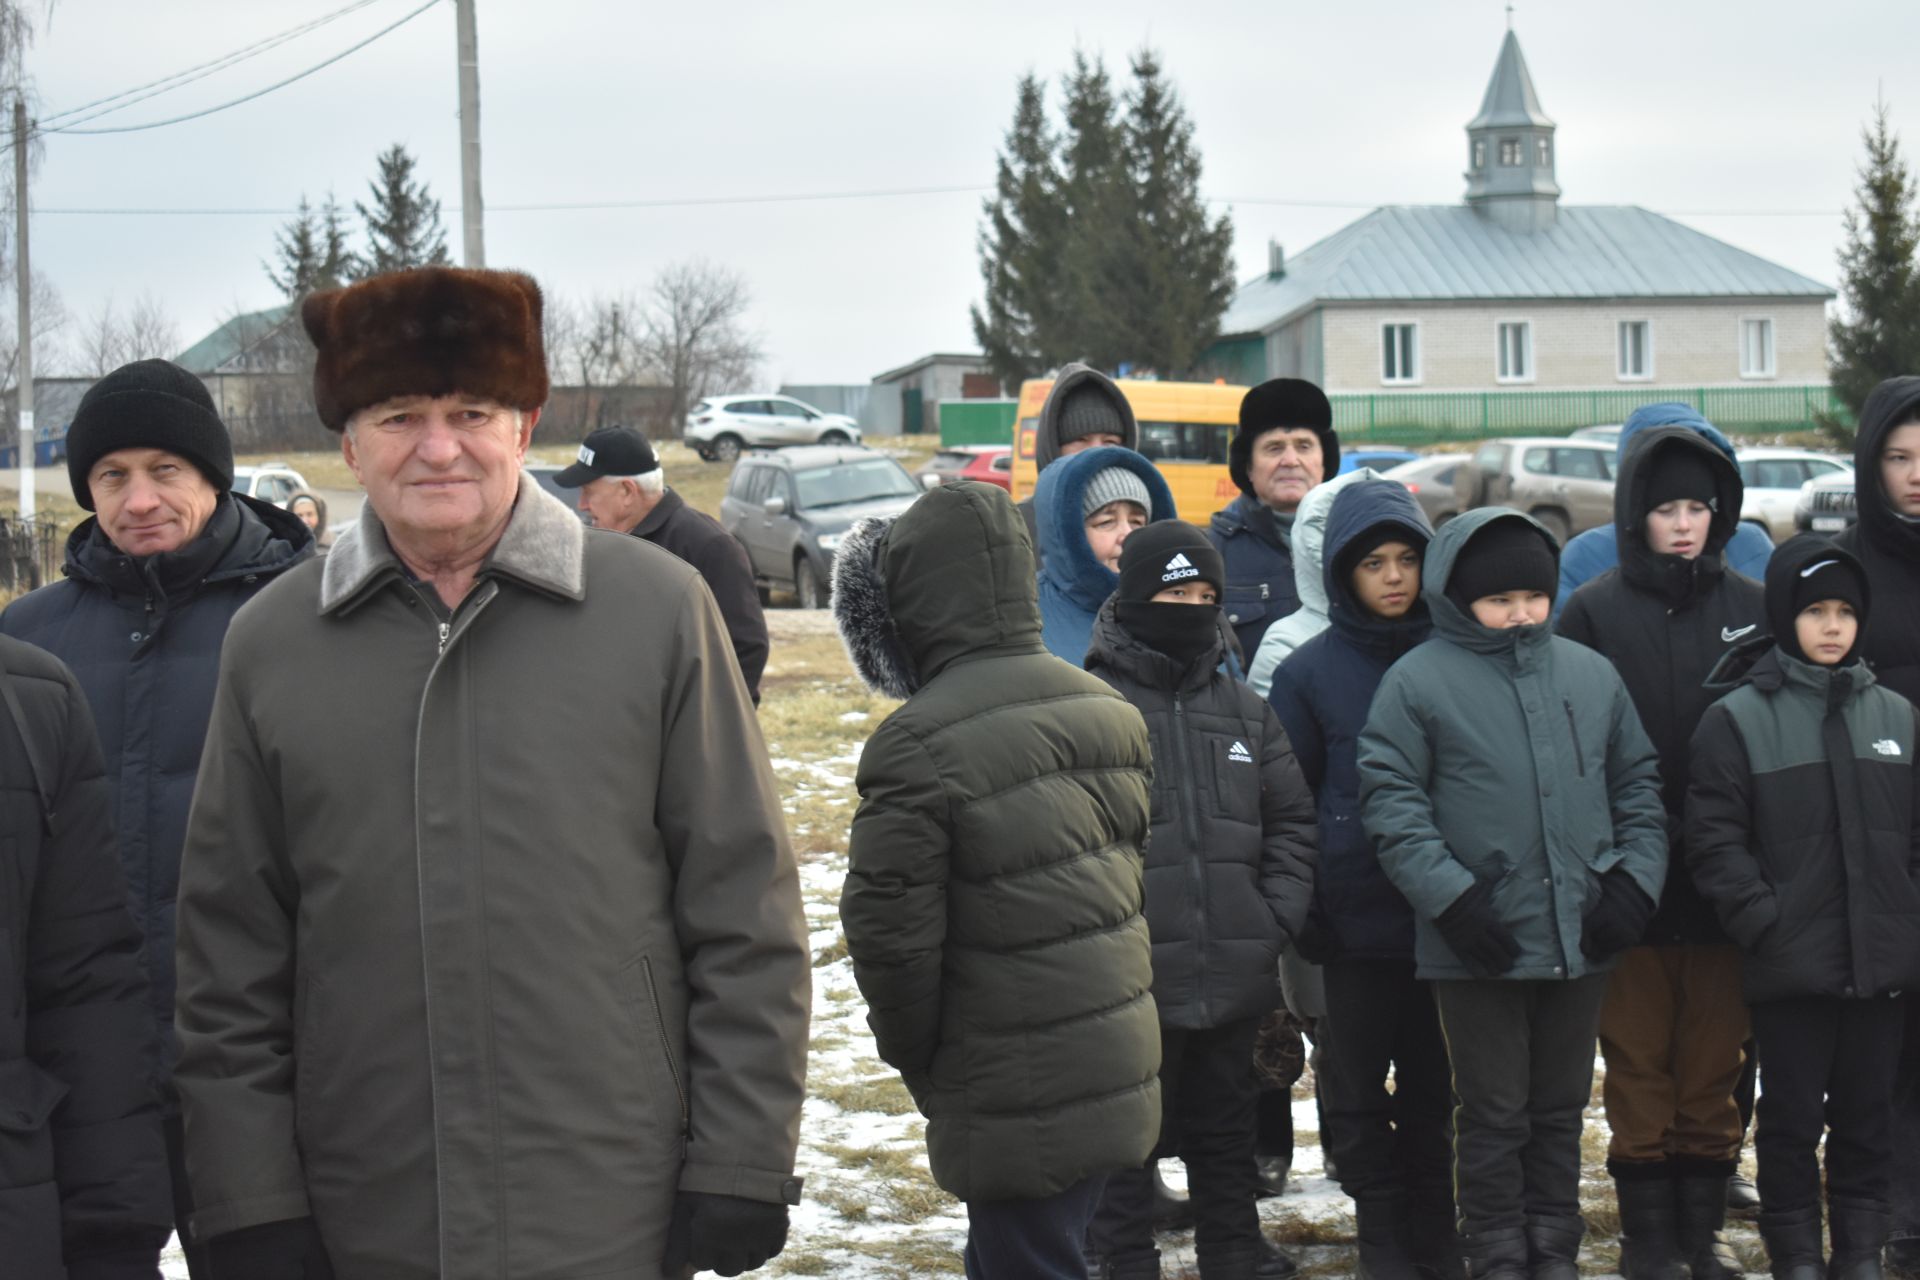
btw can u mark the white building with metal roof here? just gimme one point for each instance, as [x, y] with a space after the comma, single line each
[1514, 292]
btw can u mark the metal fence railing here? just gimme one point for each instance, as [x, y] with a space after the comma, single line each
[30, 552]
[1425, 417]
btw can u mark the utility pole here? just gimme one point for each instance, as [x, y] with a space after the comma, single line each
[472, 210]
[24, 287]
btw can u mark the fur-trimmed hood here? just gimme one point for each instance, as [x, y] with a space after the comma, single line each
[949, 578]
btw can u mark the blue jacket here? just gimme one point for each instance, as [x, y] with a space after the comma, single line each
[1073, 585]
[1260, 586]
[1598, 549]
[1322, 692]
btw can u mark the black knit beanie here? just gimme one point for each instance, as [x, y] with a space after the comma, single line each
[1287, 404]
[1167, 554]
[1804, 571]
[1680, 473]
[149, 404]
[1088, 410]
[1505, 555]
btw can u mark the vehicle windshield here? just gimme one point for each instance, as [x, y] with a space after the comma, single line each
[850, 482]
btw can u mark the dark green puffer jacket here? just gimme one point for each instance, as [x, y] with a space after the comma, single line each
[1513, 756]
[993, 897]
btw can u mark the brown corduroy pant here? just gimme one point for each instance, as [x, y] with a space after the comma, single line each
[1671, 1030]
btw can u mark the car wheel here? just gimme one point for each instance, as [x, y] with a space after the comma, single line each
[807, 585]
[1555, 523]
[835, 437]
[726, 448]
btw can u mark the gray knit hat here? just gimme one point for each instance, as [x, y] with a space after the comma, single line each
[1089, 410]
[1115, 484]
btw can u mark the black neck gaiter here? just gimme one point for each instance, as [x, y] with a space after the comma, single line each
[1183, 632]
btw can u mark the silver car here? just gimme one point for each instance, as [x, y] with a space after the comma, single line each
[1565, 484]
[1430, 480]
[719, 427]
[1773, 479]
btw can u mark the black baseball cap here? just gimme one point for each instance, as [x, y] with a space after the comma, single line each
[610, 451]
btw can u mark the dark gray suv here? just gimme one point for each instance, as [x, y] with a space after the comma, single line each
[790, 509]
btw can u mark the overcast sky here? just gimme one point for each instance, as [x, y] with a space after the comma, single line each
[1727, 116]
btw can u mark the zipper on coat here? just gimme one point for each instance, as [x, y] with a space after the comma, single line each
[1573, 731]
[1188, 799]
[666, 1046]
[446, 630]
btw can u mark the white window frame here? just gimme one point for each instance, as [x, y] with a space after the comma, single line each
[1405, 379]
[1771, 370]
[1619, 350]
[1532, 365]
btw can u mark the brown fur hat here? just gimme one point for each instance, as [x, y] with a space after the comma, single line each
[433, 331]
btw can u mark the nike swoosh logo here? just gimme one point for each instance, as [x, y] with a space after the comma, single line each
[1729, 635]
[1812, 569]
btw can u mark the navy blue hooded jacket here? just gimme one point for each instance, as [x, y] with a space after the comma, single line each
[1887, 543]
[1260, 589]
[1592, 553]
[1321, 693]
[1073, 585]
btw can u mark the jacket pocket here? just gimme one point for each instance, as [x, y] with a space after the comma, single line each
[1236, 776]
[28, 1096]
[1573, 735]
[650, 1023]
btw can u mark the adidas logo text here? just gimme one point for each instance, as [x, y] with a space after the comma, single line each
[1179, 567]
[1239, 754]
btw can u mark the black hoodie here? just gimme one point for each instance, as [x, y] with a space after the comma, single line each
[1664, 621]
[1887, 544]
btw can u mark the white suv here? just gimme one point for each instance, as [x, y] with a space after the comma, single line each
[1773, 478]
[271, 482]
[719, 427]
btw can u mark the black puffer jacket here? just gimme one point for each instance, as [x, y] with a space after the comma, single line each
[143, 636]
[1822, 894]
[1664, 621]
[83, 1172]
[1887, 546]
[1230, 856]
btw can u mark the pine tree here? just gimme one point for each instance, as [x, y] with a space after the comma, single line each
[1020, 246]
[311, 252]
[1097, 195]
[1181, 281]
[403, 226]
[338, 262]
[1877, 333]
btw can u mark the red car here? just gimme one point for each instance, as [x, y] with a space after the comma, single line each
[987, 463]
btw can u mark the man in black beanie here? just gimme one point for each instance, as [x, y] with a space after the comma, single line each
[1285, 446]
[151, 583]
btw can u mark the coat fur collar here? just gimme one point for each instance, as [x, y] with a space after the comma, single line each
[860, 612]
[544, 547]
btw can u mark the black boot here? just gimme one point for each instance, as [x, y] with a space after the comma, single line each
[1496, 1255]
[1269, 1263]
[1649, 1229]
[1793, 1244]
[1859, 1229]
[1131, 1266]
[1903, 1258]
[1553, 1244]
[1743, 1198]
[1432, 1238]
[1273, 1172]
[1702, 1206]
[1382, 1234]
[1172, 1210]
[1229, 1262]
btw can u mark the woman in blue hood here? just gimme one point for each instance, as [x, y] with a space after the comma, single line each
[1074, 582]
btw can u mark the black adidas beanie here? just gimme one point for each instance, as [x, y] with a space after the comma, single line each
[149, 404]
[1285, 404]
[1166, 554]
[1505, 555]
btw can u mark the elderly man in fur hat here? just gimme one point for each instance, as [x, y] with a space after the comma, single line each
[492, 962]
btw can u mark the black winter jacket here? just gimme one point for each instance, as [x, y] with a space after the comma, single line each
[1823, 895]
[1664, 621]
[1322, 692]
[143, 636]
[702, 542]
[1260, 584]
[1231, 852]
[83, 1171]
[1887, 546]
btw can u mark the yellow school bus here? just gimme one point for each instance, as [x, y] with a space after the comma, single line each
[1184, 428]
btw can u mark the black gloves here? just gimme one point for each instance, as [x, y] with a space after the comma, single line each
[722, 1234]
[1474, 933]
[1316, 944]
[285, 1250]
[1617, 920]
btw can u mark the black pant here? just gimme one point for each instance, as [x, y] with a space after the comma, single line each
[1522, 1054]
[196, 1253]
[1207, 1094]
[1031, 1239]
[1906, 1129]
[1381, 1018]
[1826, 1067]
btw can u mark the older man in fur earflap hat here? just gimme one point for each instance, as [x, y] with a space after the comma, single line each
[492, 961]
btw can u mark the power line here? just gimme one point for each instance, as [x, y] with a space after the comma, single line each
[201, 70]
[258, 93]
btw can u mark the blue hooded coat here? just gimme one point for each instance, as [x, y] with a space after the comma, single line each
[1598, 549]
[1073, 585]
[1322, 693]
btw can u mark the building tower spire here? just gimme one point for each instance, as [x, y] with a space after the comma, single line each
[1510, 148]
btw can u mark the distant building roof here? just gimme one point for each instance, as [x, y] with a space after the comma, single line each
[1434, 253]
[219, 351]
[972, 359]
[1510, 100]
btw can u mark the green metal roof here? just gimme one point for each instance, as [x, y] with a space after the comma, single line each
[231, 340]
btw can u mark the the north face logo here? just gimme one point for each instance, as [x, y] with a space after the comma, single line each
[1887, 747]
[1239, 754]
[1179, 567]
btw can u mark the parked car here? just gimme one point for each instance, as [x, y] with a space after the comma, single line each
[271, 482]
[1430, 480]
[1773, 480]
[543, 474]
[1605, 433]
[987, 463]
[1826, 505]
[1565, 484]
[719, 427]
[1378, 459]
[791, 508]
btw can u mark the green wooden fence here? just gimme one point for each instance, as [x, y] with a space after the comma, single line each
[976, 422]
[1427, 417]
